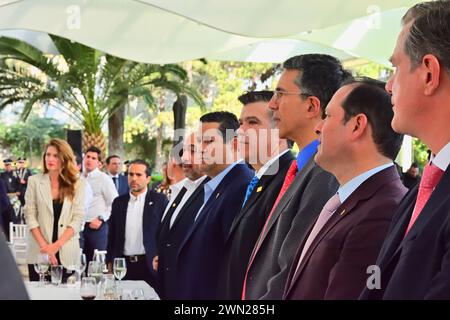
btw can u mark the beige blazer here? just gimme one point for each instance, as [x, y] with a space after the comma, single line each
[39, 213]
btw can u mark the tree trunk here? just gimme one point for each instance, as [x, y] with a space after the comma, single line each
[179, 117]
[115, 128]
[159, 138]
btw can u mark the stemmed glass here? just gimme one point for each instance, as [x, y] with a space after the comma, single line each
[81, 267]
[95, 270]
[41, 267]
[120, 269]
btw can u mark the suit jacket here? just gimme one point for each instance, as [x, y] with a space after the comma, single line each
[335, 265]
[124, 188]
[417, 266]
[39, 213]
[246, 228]
[200, 252]
[170, 239]
[6, 210]
[154, 206]
[294, 214]
[11, 283]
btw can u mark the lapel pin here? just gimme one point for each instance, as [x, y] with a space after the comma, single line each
[217, 195]
[174, 205]
[150, 203]
[343, 212]
[259, 189]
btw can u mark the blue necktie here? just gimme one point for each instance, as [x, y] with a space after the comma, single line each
[250, 188]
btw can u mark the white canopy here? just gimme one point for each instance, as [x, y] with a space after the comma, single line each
[164, 31]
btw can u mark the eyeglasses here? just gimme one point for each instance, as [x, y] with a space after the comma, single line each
[278, 94]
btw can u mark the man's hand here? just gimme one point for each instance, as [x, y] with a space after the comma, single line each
[95, 223]
[155, 263]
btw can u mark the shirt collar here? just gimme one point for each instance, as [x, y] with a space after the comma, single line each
[176, 187]
[266, 166]
[347, 189]
[194, 184]
[113, 176]
[140, 197]
[93, 173]
[442, 159]
[214, 182]
[306, 153]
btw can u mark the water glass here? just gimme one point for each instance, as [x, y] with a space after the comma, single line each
[56, 273]
[88, 288]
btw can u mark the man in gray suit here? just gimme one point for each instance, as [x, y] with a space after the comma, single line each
[306, 86]
[11, 283]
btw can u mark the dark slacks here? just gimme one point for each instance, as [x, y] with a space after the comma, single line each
[94, 239]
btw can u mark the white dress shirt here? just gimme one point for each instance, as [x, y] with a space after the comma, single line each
[190, 186]
[442, 159]
[103, 193]
[265, 168]
[134, 236]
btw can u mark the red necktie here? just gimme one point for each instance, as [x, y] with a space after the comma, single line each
[430, 179]
[290, 176]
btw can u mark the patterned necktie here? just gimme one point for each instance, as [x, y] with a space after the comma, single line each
[251, 186]
[330, 207]
[290, 176]
[430, 179]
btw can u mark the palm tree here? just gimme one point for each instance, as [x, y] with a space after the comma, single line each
[90, 86]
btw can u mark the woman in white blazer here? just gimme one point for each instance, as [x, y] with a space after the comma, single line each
[54, 209]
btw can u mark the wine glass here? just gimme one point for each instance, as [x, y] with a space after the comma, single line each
[120, 269]
[81, 267]
[41, 267]
[138, 294]
[95, 270]
[88, 288]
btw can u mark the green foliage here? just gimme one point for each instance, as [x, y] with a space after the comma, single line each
[34, 134]
[420, 152]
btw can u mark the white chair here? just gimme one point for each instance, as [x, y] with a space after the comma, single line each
[18, 234]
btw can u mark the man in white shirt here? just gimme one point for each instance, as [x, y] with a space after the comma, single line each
[134, 220]
[269, 155]
[95, 231]
[178, 218]
[113, 166]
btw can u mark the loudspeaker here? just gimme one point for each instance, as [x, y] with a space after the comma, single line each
[75, 141]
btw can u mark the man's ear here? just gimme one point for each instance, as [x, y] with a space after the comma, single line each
[314, 109]
[358, 125]
[432, 71]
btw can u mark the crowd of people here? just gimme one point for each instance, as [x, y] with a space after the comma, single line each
[245, 219]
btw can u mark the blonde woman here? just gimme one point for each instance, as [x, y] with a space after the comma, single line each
[54, 209]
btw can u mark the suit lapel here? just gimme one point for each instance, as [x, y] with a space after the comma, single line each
[197, 193]
[287, 197]
[212, 199]
[46, 191]
[363, 192]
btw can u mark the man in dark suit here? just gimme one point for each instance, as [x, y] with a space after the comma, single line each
[200, 252]
[358, 146]
[304, 89]
[414, 259]
[6, 210]
[11, 283]
[133, 223]
[270, 158]
[178, 218]
[113, 166]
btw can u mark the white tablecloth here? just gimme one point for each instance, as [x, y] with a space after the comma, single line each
[62, 292]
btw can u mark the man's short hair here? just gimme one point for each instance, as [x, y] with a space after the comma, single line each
[148, 170]
[226, 120]
[369, 97]
[320, 76]
[108, 160]
[429, 33]
[255, 96]
[96, 150]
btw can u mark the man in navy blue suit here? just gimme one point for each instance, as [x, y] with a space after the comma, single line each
[414, 261]
[201, 250]
[113, 166]
[133, 223]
